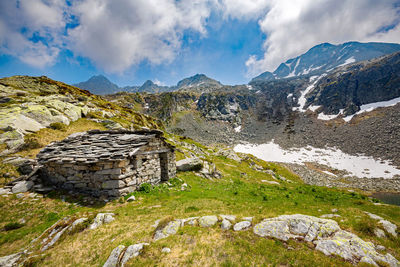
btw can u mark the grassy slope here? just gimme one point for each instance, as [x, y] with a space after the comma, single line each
[240, 192]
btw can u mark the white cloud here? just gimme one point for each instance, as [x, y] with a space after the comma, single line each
[294, 26]
[159, 83]
[118, 34]
[32, 30]
[243, 9]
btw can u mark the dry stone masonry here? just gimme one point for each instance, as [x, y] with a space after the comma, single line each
[108, 163]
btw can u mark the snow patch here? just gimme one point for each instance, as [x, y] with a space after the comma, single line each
[324, 117]
[289, 95]
[371, 106]
[360, 166]
[249, 87]
[313, 108]
[238, 129]
[302, 99]
[348, 61]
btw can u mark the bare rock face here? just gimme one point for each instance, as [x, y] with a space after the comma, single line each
[113, 259]
[10, 260]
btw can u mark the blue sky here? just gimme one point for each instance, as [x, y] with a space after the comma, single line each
[167, 40]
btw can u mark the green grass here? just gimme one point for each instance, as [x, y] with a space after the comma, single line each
[240, 192]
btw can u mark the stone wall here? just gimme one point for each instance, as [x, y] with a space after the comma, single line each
[151, 163]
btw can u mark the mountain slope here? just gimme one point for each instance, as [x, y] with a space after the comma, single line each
[98, 85]
[349, 87]
[325, 57]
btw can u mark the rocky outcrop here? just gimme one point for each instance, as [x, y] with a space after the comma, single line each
[189, 164]
[325, 235]
[121, 255]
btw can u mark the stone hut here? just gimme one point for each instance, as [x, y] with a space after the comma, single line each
[108, 163]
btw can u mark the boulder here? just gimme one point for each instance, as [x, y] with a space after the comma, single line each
[230, 218]
[241, 226]
[113, 259]
[101, 218]
[389, 227]
[21, 187]
[226, 225]
[170, 229]
[166, 250]
[132, 251]
[379, 233]
[208, 221]
[189, 164]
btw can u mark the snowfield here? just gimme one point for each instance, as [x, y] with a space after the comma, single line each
[360, 166]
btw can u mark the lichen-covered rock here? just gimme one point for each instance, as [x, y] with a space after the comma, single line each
[132, 251]
[389, 227]
[352, 248]
[208, 221]
[241, 226]
[113, 259]
[296, 226]
[226, 225]
[230, 218]
[170, 229]
[379, 233]
[102, 218]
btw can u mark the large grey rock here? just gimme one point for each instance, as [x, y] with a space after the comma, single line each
[189, 164]
[131, 252]
[102, 218]
[241, 226]
[389, 227]
[226, 225]
[326, 235]
[208, 221]
[170, 229]
[352, 248]
[113, 259]
[10, 260]
[22, 187]
[296, 226]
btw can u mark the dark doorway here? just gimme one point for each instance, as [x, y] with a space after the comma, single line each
[164, 166]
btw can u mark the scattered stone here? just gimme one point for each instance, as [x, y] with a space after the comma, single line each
[132, 251]
[250, 219]
[22, 187]
[170, 229]
[190, 221]
[102, 218]
[208, 221]
[22, 220]
[4, 191]
[113, 259]
[389, 227]
[226, 225]
[10, 260]
[380, 248]
[241, 226]
[189, 164]
[270, 182]
[155, 224]
[230, 218]
[334, 210]
[330, 216]
[184, 187]
[379, 233]
[166, 250]
[20, 195]
[374, 216]
[131, 198]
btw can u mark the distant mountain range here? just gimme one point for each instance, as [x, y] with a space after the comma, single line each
[101, 85]
[325, 57]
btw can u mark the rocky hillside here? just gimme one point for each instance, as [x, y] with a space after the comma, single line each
[325, 57]
[29, 104]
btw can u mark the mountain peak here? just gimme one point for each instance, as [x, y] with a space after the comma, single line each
[325, 57]
[98, 84]
[198, 80]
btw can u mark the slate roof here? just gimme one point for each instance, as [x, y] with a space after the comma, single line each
[95, 145]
